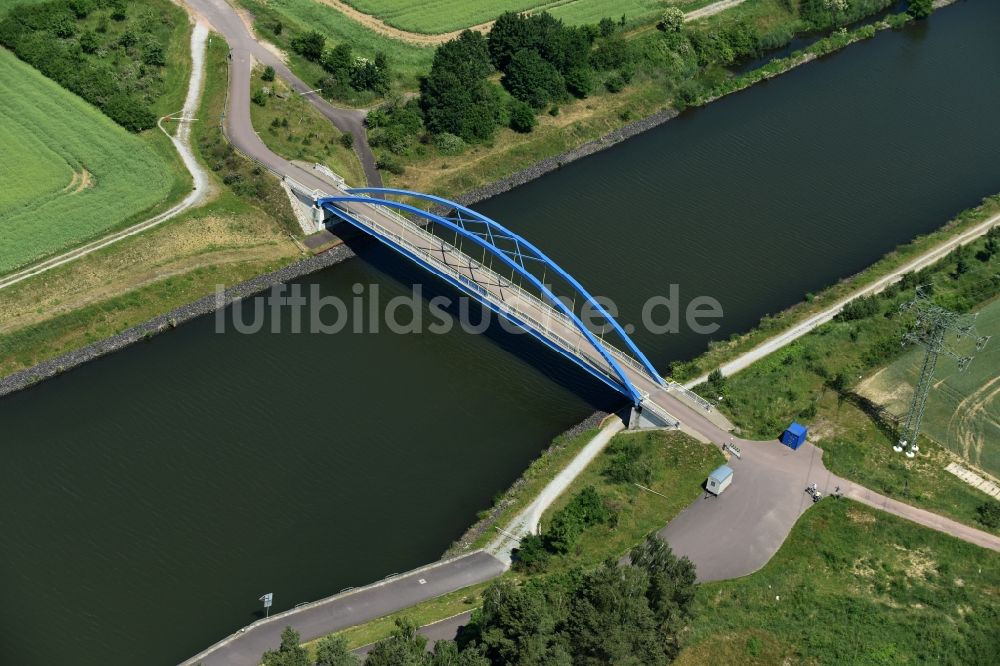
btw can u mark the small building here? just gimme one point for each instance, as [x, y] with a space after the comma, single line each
[794, 435]
[719, 480]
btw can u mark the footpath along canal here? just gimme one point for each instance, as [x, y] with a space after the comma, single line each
[152, 496]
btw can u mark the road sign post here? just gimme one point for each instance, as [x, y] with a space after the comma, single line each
[267, 599]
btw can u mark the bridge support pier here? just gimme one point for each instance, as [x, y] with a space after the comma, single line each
[319, 216]
[645, 419]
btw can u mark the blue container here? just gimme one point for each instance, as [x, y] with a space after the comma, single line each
[794, 435]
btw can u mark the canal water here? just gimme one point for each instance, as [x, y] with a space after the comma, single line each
[149, 498]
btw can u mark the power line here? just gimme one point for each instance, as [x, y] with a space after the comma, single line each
[930, 329]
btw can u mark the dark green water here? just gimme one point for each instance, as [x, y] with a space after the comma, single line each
[149, 498]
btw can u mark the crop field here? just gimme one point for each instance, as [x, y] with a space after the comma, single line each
[437, 16]
[68, 171]
[963, 410]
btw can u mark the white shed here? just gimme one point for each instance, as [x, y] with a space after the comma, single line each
[719, 480]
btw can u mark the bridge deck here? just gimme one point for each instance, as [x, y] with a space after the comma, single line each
[503, 295]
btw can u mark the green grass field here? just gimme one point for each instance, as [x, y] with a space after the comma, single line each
[69, 172]
[852, 585]
[963, 409]
[437, 16]
[299, 16]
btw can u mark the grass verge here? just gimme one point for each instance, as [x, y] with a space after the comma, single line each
[852, 585]
[676, 465]
[243, 233]
[291, 127]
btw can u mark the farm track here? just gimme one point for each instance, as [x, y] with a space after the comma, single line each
[182, 142]
[421, 39]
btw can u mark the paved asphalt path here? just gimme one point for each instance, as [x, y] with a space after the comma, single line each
[245, 50]
[245, 647]
[739, 531]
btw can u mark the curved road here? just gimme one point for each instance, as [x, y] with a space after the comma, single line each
[245, 49]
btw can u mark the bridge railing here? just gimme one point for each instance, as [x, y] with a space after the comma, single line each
[503, 282]
[702, 402]
[497, 300]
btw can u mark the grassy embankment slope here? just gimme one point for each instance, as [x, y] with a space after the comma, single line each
[852, 585]
[658, 75]
[234, 238]
[110, 178]
[677, 466]
[963, 410]
[814, 380]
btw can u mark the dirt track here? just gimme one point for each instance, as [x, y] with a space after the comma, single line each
[383, 28]
[420, 39]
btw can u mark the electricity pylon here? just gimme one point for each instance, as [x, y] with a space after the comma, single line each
[930, 329]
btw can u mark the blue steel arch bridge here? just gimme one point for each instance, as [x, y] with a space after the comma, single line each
[509, 275]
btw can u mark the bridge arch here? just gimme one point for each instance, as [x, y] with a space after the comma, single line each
[517, 254]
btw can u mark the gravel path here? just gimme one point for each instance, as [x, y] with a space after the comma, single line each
[182, 142]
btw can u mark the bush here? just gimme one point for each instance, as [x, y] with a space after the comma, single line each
[860, 308]
[615, 83]
[672, 20]
[919, 9]
[310, 45]
[390, 164]
[629, 462]
[989, 514]
[449, 144]
[579, 82]
[347, 140]
[267, 74]
[522, 117]
[585, 509]
[130, 113]
[259, 97]
[530, 555]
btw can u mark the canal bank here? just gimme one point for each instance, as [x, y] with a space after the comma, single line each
[146, 330]
[157, 453]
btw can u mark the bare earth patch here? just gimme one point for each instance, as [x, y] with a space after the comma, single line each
[382, 28]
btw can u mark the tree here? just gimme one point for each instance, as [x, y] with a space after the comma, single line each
[672, 579]
[267, 74]
[672, 20]
[517, 625]
[532, 80]
[530, 555]
[310, 45]
[290, 653]
[455, 96]
[606, 27]
[920, 9]
[332, 651]
[522, 117]
[610, 621]
[405, 647]
[339, 61]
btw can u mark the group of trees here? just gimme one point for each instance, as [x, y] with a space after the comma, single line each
[616, 613]
[541, 62]
[345, 70]
[109, 52]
